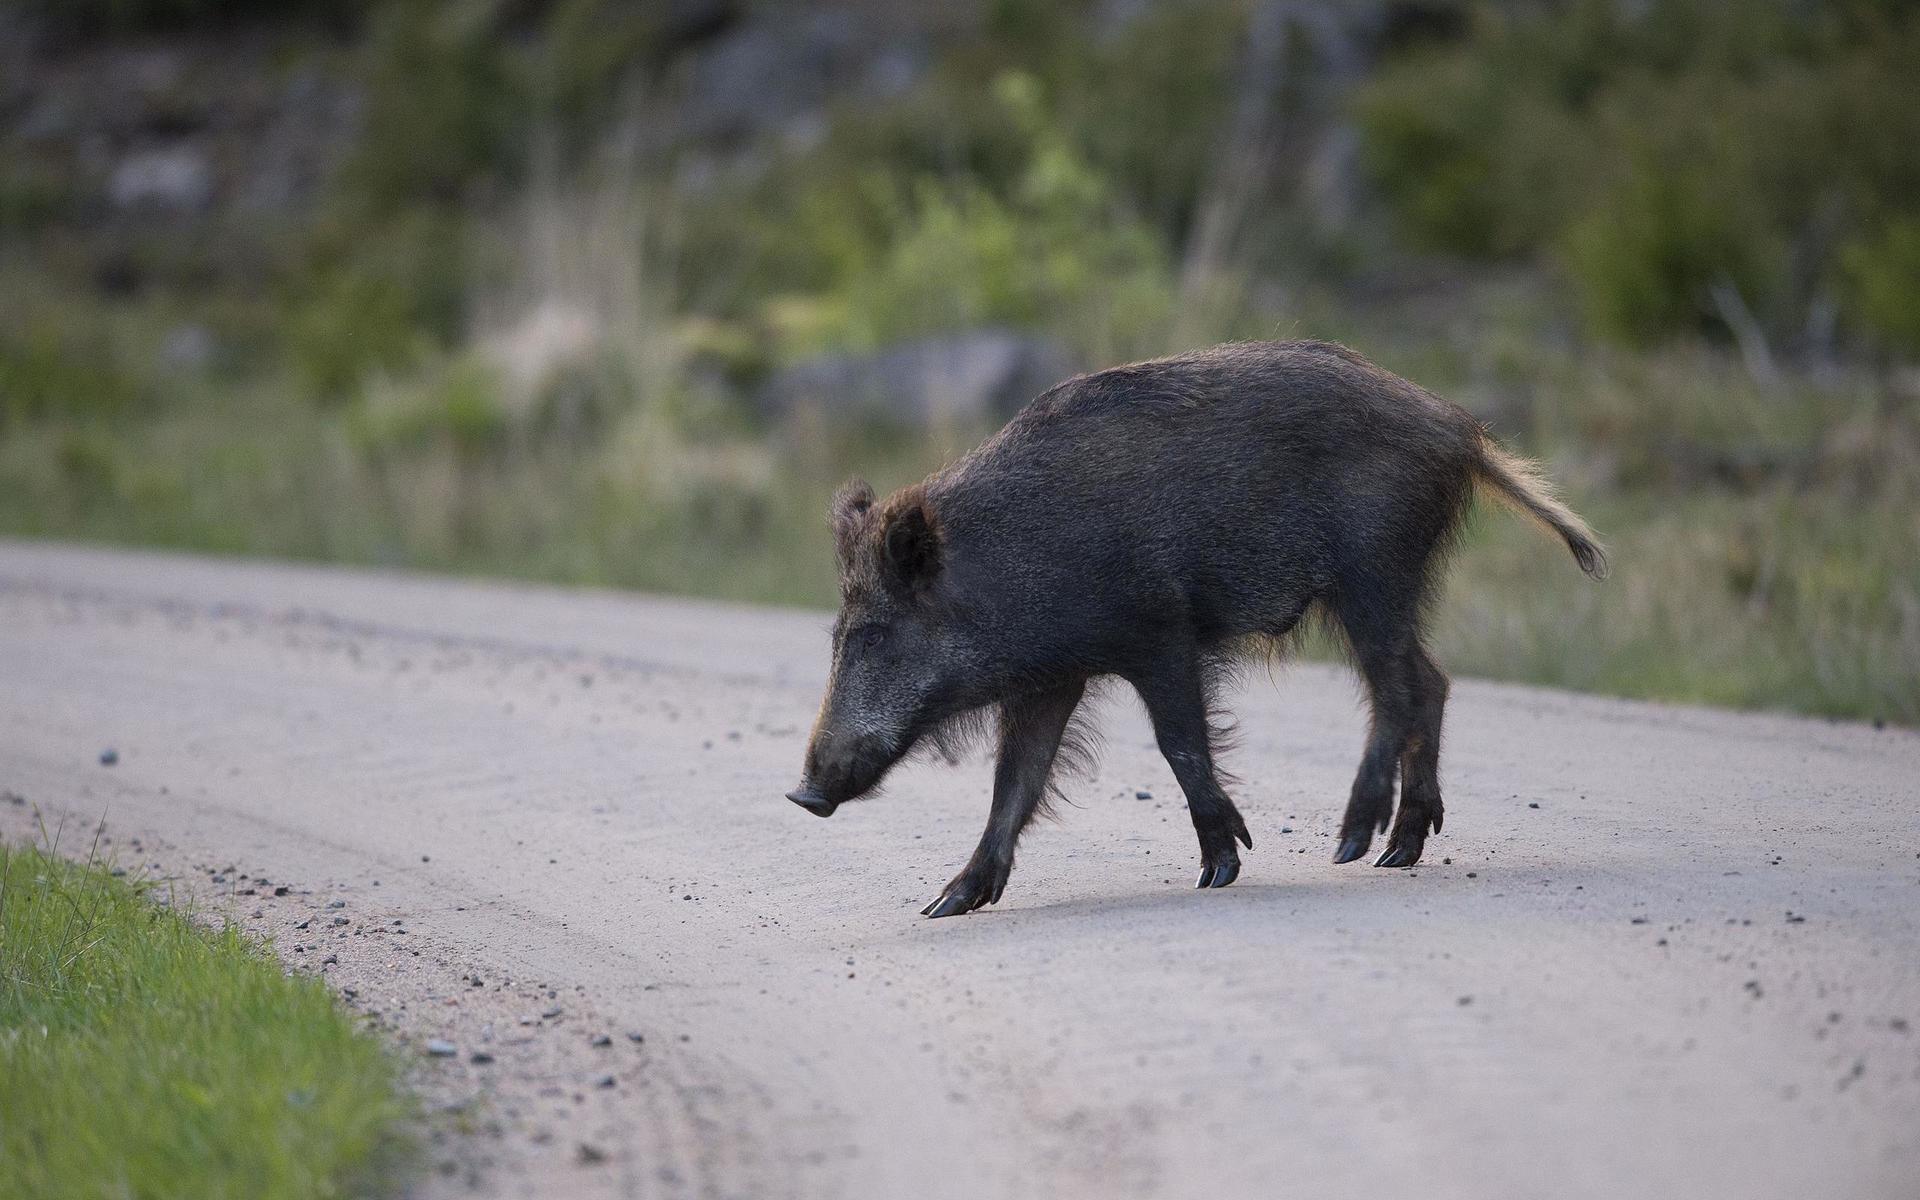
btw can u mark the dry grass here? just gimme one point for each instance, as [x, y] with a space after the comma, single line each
[1780, 600]
[1792, 587]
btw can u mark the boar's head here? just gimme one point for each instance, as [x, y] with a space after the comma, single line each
[899, 656]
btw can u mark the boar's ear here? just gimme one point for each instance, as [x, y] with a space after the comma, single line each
[910, 541]
[848, 512]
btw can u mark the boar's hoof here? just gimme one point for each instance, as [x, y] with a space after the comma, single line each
[1219, 874]
[970, 889]
[1402, 853]
[951, 905]
[1352, 846]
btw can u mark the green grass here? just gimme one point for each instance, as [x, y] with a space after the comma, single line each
[144, 1055]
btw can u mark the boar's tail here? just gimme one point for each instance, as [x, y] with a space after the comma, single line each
[1519, 485]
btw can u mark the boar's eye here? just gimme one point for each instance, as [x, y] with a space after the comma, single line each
[867, 637]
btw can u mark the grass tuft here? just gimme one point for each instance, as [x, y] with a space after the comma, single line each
[143, 1055]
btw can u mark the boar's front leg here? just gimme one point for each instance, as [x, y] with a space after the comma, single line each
[1175, 693]
[1030, 731]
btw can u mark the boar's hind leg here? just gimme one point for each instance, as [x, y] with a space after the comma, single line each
[1420, 807]
[1030, 732]
[1176, 700]
[1387, 666]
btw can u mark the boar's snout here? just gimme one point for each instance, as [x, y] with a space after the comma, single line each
[807, 797]
[840, 769]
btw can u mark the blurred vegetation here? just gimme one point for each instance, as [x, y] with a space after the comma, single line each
[524, 324]
[1657, 150]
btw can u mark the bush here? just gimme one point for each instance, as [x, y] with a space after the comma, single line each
[458, 405]
[357, 323]
[1646, 259]
[1137, 108]
[33, 194]
[50, 370]
[1055, 245]
[443, 106]
[379, 300]
[1656, 150]
[1882, 272]
[1147, 106]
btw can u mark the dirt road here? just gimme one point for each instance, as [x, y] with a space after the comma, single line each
[1659, 951]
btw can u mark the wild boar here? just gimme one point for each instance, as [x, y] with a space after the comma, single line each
[1157, 523]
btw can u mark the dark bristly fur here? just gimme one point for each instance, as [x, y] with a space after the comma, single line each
[1160, 523]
